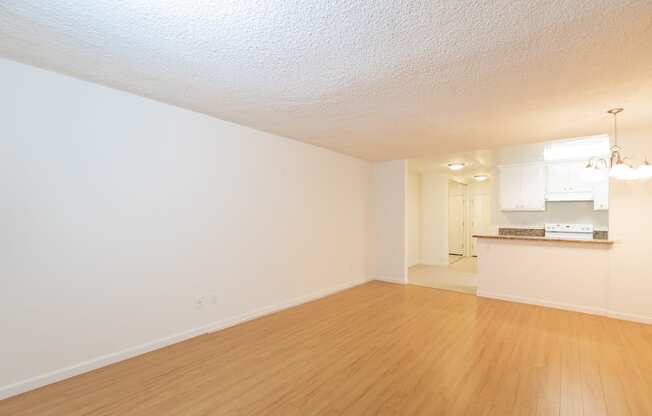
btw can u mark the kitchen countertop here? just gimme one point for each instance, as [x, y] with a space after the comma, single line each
[530, 238]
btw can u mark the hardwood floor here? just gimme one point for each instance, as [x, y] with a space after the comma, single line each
[378, 348]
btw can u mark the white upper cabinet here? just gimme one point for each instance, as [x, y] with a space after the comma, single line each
[601, 195]
[510, 188]
[523, 188]
[566, 182]
[558, 175]
[533, 188]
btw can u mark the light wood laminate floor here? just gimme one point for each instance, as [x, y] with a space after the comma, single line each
[378, 348]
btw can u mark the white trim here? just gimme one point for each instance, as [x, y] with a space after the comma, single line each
[630, 317]
[568, 307]
[399, 280]
[540, 302]
[104, 360]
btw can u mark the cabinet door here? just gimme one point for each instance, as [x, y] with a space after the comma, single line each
[558, 178]
[533, 187]
[567, 177]
[577, 181]
[510, 188]
[601, 195]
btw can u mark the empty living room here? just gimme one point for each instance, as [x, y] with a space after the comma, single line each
[239, 207]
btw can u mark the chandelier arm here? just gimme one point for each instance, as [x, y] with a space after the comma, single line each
[616, 129]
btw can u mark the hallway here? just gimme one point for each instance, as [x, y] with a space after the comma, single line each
[458, 276]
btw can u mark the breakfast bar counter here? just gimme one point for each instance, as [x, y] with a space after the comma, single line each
[537, 238]
[559, 273]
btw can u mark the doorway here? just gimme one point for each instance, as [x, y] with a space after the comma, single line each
[444, 213]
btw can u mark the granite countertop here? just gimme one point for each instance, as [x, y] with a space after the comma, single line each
[539, 238]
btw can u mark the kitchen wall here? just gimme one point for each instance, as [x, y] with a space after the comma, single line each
[577, 212]
[119, 213]
[389, 227]
[414, 219]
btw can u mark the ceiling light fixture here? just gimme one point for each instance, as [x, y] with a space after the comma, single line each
[482, 178]
[456, 166]
[617, 167]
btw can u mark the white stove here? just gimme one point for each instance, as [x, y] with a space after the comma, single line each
[569, 231]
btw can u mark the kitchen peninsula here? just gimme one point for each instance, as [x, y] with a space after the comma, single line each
[559, 273]
[541, 238]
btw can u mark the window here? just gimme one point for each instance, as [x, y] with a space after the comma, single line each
[574, 149]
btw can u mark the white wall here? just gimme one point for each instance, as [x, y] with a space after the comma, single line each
[414, 219]
[457, 188]
[389, 228]
[434, 219]
[630, 205]
[118, 211]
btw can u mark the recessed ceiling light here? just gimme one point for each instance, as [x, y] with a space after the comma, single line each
[456, 166]
[480, 178]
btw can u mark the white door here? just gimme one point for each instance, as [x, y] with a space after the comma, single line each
[480, 217]
[456, 224]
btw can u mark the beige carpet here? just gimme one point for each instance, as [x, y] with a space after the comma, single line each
[459, 276]
[452, 258]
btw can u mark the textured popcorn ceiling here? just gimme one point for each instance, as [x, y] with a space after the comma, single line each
[381, 79]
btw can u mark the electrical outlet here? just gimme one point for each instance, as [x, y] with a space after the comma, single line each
[199, 302]
[214, 299]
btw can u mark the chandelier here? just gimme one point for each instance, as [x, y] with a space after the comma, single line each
[618, 166]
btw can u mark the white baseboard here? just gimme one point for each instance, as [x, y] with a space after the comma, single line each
[398, 280]
[568, 307]
[443, 263]
[104, 360]
[539, 302]
[630, 317]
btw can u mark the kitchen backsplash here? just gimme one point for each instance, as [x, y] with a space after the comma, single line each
[522, 232]
[540, 232]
